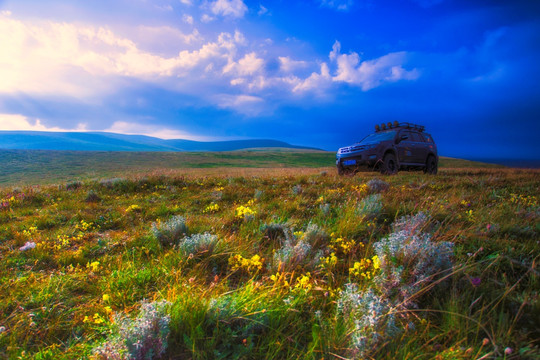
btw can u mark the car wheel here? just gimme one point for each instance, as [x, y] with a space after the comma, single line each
[389, 165]
[431, 165]
[340, 170]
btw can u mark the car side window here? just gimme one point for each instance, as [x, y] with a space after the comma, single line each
[427, 138]
[416, 137]
[405, 134]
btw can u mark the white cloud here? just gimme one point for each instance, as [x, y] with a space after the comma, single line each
[262, 10]
[130, 128]
[205, 18]
[230, 8]
[248, 65]
[371, 73]
[16, 122]
[286, 64]
[340, 5]
[244, 104]
[186, 2]
[82, 61]
[188, 19]
[317, 82]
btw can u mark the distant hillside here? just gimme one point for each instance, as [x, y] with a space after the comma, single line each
[102, 141]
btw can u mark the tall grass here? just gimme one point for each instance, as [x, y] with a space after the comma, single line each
[408, 266]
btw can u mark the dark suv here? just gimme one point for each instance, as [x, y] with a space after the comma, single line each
[392, 147]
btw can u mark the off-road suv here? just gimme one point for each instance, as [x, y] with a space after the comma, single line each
[392, 147]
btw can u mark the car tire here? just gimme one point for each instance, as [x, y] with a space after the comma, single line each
[340, 171]
[431, 165]
[389, 165]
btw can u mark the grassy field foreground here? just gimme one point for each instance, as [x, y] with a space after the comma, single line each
[275, 264]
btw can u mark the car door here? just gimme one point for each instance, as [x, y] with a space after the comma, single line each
[419, 148]
[405, 147]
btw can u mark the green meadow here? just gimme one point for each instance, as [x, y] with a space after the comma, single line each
[264, 255]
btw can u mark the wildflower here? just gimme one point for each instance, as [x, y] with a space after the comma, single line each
[94, 266]
[212, 208]
[475, 281]
[303, 282]
[245, 212]
[106, 297]
[133, 208]
[330, 260]
[238, 262]
[508, 351]
[108, 309]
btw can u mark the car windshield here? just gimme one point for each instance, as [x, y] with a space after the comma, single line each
[378, 137]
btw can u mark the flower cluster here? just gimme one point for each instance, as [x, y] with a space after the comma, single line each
[361, 189]
[133, 208]
[212, 208]
[365, 268]
[10, 200]
[94, 266]
[329, 261]
[96, 319]
[524, 200]
[31, 231]
[84, 226]
[246, 211]
[341, 245]
[238, 262]
[303, 282]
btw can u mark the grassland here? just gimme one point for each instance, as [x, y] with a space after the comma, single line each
[31, 167]
[276, 263]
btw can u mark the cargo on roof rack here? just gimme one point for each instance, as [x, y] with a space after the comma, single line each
[396, 125]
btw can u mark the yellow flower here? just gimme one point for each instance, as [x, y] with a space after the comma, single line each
[106, 297]
[376, 262]
[303, 282]
[98, 319]
[93, 265]
[108, 309]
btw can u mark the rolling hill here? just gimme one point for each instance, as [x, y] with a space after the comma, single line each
[102, 141]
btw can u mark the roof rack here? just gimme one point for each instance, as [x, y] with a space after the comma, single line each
[396, 125]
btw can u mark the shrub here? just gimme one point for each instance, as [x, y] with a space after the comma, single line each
[236, 322]
[315, 235]
[371, 317]
[376, 186]
[171, 231]
[290, 256]
[92, 197]
[370, 206]
[409, 262]
[297, 189]
[198, 243]
[73, 185]
[300, 251]
[275, 231]
[143, 338]
[112, 183]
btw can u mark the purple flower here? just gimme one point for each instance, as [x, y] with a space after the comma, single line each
[475, 281]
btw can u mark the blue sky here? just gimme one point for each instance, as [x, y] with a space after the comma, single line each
[313, 72]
